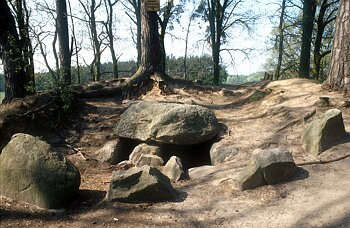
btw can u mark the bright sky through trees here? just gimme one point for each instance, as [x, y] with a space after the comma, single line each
[174, 40]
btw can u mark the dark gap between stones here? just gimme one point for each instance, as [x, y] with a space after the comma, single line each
[190, 155]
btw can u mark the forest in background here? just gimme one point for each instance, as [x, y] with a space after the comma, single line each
[300, 42]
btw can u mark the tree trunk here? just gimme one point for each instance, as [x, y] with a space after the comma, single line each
[186, 47]
[339, 73]
[96, 66]
[151, 63]
[138, 36]
[163, 25]
[10, 53]
[216, 64]
[309, 9]
[322, 21]
[63, 38]
[75, 43]
[162, 51]
[150, 42]
[280, 41]
[25, 43]
[95, 40]
[318, 42]
[109, 30]
[215, 17]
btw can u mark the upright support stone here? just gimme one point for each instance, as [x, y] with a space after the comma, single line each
[269, 166]
[173, 169]
[321, 134]
[31, 171]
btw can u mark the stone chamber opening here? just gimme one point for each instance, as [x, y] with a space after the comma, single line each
[190, 155]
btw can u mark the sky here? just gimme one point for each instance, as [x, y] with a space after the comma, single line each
[256, 40]
[174, 41]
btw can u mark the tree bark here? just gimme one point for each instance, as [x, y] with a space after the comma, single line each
[322, 21]
[63, 38]
[339, 73]
[186, 47]
[96, 66]
[22, 15]
[11, 55]
[150, 42]
[309, 9]
[151, 63]
[215, 16]
[138, 36]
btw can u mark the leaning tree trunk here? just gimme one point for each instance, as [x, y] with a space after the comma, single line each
[10, 53]
[339, 73]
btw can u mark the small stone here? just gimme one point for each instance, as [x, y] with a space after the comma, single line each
[150, 160]
[173, 169]
[125, 165]
[142, 149]
[110, 152]
[222, 151]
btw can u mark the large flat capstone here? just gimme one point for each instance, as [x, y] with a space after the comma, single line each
[168, 123]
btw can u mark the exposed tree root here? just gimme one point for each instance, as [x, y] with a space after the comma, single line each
[102, 92]
[323, 161]
[289, 124]
[133, 84]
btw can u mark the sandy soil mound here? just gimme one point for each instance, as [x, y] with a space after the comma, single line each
[254, 116]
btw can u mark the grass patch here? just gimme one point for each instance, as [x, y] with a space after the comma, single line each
[2, 96]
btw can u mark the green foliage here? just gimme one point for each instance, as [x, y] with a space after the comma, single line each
[198, 68]
[291, 50]
[30, 87]
[2, 96]
[66, 96]
[241, 79]
[44, 81]
[292, 29]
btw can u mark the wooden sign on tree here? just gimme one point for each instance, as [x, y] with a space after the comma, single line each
[152, 5]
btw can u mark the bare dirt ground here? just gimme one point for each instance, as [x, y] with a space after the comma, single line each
[318, 196]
